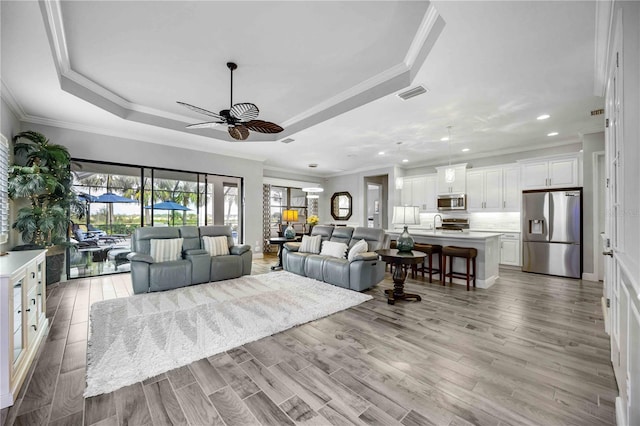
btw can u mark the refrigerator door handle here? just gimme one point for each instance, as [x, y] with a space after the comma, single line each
[548, 212]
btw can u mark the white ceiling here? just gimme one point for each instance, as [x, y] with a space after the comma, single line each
[327, 71]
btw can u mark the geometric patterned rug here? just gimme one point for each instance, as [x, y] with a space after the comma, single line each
[141, 336]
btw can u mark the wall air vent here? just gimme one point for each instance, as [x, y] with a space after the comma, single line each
[413, 92]
[287, 140]
[597, 112]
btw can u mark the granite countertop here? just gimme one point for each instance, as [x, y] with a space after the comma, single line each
[470, 235]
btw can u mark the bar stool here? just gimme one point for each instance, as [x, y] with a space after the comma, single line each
[430, 249]
[468, 253]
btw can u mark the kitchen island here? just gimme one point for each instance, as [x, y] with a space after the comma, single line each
[487, 244]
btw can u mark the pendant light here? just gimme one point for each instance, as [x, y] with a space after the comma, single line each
[450, 172]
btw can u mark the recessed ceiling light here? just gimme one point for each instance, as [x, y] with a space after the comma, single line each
[405, 160]
[543, 117]
[552, 134]
[465, 149]
[444, 139]
[381, 153]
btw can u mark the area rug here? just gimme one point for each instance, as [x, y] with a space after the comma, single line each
[137, 337]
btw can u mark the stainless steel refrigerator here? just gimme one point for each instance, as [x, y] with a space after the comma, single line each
[552, 232]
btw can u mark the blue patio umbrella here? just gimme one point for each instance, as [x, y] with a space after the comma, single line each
[111, 198]
[169, 206]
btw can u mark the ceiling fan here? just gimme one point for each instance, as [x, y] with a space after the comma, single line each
[240, 118]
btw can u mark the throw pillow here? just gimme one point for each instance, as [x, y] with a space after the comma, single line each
[216, 246]
[310, 244]
[334, 249]
[359, 247]
[166, 249]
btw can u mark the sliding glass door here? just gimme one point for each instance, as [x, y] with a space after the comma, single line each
[117, 199]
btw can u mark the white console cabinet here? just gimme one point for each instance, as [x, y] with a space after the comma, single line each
[561, 172]
[23, 320]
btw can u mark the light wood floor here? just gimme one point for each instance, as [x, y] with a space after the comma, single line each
[529, 350]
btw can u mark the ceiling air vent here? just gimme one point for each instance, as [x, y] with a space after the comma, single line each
[287, 140]
[597, 112]
[413, 92]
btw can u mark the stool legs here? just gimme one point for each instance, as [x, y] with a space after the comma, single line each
[469, 275]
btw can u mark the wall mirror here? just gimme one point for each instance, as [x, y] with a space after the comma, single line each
[341, 205]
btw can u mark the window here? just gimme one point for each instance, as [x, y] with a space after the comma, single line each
[284, 198]
[4, 194]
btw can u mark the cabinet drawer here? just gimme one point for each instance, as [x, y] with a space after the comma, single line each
[512, 236]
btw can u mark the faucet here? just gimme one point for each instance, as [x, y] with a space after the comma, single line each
[434, 221]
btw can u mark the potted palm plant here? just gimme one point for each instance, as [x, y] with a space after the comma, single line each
[41, 175]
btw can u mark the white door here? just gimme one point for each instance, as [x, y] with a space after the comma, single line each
[432, 193]
[535, 175]
[563, 173]
[475, 188]
[512, 194]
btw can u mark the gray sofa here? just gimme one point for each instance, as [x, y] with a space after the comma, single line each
[195, 265]
[362, 273]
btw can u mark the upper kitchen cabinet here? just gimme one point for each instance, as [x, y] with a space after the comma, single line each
[512, 191]
[493, 189]
[420, 191]
[454, 184]
[484, 189]
[555, 172]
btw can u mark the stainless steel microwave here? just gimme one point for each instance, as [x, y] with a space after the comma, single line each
[452, 202]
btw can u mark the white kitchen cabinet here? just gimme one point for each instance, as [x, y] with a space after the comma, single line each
[459, 184]
[420, 191]
[24, 324]
[512, 193]
[510, 249]
[406, 193]
[431, 186]
[493, 189]
[550, 173]
[484, 189]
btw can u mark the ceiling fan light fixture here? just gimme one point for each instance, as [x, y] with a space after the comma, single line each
[240, 118]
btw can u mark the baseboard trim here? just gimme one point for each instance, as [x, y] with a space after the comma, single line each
[590, 276]
[621, 419]
[258, 255]
[605, 314]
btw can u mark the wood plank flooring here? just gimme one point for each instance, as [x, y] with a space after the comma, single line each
[531, 350]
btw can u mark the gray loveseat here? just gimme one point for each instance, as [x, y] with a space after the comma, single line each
[363, 272]
[195, 265]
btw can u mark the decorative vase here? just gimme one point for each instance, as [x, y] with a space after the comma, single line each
[289, 232]
[405, 241]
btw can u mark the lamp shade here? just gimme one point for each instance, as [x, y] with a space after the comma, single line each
[290, 215]
[406, 215]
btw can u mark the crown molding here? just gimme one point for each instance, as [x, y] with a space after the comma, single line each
[385, 83]
[202, 146]
[12, 102]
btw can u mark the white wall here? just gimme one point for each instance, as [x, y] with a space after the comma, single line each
[355, 184]
[92, 146]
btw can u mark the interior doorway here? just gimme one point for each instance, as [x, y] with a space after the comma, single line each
[376, 194]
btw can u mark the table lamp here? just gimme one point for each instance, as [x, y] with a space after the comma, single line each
[405, 215]
[289, 216]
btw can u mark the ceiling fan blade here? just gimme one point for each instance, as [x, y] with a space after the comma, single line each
[239, 132]
[263, 126]
[207, 125]
[244, 111]
[201, 110]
